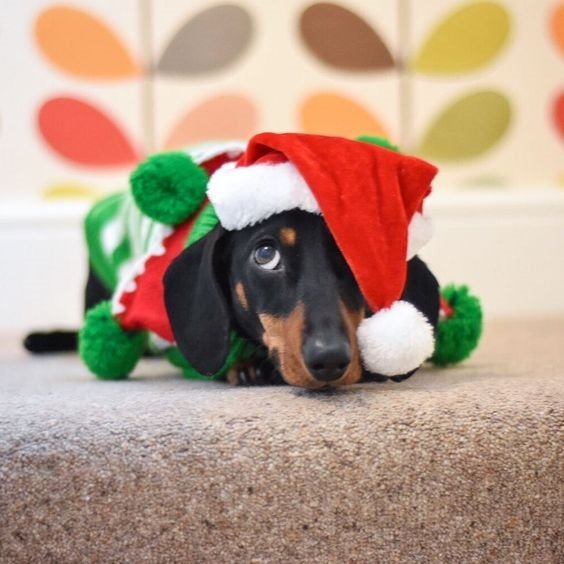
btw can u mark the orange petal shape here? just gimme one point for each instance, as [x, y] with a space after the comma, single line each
[227, 116]
[558, 114]
[82, 45]
[557, 27]
[328, 113]
[83, 134]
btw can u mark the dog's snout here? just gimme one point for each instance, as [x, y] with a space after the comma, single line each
[327, 360]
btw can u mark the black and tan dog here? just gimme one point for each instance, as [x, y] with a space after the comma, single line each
[285, 285]
[314, 267]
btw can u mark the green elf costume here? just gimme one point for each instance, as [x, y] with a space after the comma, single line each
[133, 237]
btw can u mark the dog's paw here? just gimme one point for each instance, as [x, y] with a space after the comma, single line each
[371, 377]
[251, 374]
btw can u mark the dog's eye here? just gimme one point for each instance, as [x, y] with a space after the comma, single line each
[267, 257]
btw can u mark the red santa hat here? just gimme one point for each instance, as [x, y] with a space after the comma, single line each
[371, 199]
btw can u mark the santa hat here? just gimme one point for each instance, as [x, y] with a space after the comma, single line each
[371, 200]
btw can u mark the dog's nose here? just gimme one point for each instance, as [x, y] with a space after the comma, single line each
[327, 361]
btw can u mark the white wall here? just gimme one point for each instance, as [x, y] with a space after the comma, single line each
[508, 246]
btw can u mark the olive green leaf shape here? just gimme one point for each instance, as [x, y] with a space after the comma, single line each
[210, 41]
[342, 39]
[467, 128]
[467, 39]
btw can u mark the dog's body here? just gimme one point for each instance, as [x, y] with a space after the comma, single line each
[260, 269]
[282, 284]
[292, 258]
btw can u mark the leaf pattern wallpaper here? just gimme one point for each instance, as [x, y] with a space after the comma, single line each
[475, 85]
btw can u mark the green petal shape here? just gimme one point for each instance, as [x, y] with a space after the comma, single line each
[469, 127]
[465, 40]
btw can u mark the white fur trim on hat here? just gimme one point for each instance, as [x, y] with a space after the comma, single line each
[420, 232]
[243, 196]
[395, 340]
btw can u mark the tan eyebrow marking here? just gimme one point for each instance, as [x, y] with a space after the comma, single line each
[288, 236]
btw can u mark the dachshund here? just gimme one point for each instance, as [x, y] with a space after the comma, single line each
[284, 285]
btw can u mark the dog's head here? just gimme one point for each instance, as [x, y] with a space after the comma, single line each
[282, 283]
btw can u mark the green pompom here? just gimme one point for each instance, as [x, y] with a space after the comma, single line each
[109, 352]
[240, 349]
[380, 141]
[458, 334]
[169, 187]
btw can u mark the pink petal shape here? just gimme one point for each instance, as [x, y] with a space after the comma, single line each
[227, 116]
[83, 134]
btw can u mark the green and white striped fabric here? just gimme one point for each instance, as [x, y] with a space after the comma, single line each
[117, 234]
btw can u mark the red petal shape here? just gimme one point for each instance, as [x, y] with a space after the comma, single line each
[558, 114]
[83, 134]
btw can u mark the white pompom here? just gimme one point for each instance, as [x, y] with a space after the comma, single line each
[395, 340]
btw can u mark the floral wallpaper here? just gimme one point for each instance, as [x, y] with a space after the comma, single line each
[92, 86]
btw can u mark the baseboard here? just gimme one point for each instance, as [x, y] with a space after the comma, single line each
[507, 245]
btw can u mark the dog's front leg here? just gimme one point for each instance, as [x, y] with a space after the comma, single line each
[254, 373]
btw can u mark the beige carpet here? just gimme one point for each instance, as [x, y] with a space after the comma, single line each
[461, 465]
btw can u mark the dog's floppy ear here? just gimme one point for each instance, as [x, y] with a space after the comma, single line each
[197, 307]
[422, 290]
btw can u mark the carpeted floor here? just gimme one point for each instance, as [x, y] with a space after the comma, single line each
[459, 465]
